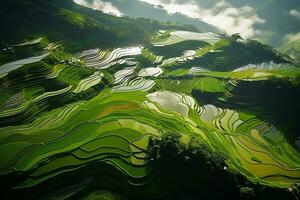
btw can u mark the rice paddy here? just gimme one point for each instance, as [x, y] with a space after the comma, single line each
[62, 115]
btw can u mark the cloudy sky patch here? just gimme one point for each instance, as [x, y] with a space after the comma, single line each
[222, 15]
[105, 7]
[295, 13]
[291, 45]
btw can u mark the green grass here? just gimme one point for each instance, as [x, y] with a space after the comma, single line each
[73, 17]
[207, 84]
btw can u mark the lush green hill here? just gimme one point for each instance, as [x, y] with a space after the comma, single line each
[77, 27]
[136, 9]
[142, 110]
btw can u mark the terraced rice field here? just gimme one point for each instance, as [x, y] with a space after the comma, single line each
[150, 71]
[8, 67]
[67, 114]
[179, 36]
[98, 59]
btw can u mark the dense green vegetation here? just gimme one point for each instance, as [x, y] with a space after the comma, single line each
[77, 27]
[135, 109]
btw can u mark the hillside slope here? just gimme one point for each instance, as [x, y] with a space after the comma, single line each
[170, 113]
[76, 26]
[136, 9]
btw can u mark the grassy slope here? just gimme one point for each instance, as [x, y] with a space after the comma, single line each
[76, 26]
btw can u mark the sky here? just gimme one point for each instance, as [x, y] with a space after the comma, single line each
[104, 6]
[231, 16]
[295, 13]
[222, 14]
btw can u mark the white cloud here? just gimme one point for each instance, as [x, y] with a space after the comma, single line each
[105, 7]
[295, 13]
[291, 45]
[222, 15]
[189, 8]
[292, 37]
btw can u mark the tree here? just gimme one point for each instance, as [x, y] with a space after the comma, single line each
[295, 189]
[170, 146]
[200, 150]
[167, 147]
[236, 37]
[153, 148]
[247, 193]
